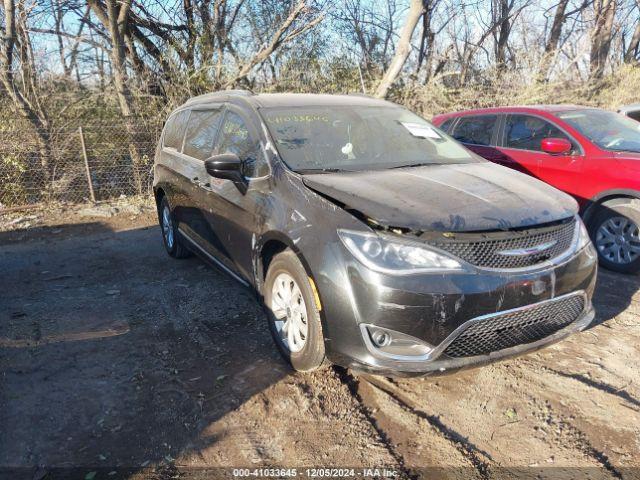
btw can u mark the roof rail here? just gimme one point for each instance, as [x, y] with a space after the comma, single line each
[221, 93]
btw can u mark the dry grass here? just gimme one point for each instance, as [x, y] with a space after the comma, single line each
[611, 92]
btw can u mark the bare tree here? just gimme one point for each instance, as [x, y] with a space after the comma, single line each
[370, 28]
[501, 17]
[114, 16]
[555, 32]
[631, 53]
[496, 23]
[301, 19]
[551, 45]
[18, 76]
[416, 10]
[604, 15]
[427, 43]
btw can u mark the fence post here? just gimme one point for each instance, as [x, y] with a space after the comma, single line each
[86, 165]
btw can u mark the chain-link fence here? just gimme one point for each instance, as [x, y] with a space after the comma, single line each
[92, 161]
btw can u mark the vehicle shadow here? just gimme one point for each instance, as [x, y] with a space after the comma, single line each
[51, 232]
[614, 293]
[117, 358]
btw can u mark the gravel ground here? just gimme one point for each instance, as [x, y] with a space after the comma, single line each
[116, 358]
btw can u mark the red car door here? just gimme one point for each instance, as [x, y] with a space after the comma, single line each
[563, 171]
[521, 140]
[520, 143]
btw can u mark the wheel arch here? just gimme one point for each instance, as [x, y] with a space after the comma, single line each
[269, 245]
[158, 195]
[606, 197]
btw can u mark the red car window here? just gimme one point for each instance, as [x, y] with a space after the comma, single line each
[526, 132]
[475, 130]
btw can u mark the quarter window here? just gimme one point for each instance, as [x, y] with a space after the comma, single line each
[235, 138]
[202, 129]
[475, 130]
[526, 132]
[174, 130]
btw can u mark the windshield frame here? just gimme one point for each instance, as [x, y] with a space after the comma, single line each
[473, 157]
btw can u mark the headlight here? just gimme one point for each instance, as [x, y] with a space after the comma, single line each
[583, 236]
[393, 256]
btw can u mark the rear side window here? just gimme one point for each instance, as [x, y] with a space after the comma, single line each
[202, 130]
[526, 132]
[174, 130]
[235, 138]
[475, 130]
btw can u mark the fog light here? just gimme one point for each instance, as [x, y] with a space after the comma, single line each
[380, 338]
[393, 344]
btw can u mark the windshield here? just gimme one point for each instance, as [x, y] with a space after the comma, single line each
[351, 138]
[607, 130]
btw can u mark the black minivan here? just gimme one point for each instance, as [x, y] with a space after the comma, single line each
[375, 241]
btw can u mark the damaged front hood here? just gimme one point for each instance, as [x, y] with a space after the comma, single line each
[451, 198]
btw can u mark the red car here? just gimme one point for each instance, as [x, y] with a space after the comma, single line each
[589, 153]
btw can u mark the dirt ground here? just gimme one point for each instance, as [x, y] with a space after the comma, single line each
[119, 362]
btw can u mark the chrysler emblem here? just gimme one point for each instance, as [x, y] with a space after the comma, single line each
[519, 252]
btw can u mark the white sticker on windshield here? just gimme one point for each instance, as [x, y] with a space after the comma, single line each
[421, 130]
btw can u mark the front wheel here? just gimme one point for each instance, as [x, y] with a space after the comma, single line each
[616, 236]
[294, 318]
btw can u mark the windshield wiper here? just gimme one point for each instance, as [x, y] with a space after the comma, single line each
[321, 170]
[412, 165]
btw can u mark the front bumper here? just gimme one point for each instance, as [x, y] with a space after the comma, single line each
[440, 364]
[435, 308]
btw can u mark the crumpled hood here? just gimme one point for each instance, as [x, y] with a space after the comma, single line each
[452, 198]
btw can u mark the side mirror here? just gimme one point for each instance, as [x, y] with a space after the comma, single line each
[556, 146]
[226, 165]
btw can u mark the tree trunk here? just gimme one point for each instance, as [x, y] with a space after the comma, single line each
[115, 20]
[189, 13]
[58, 27]
[605, 11]
[553, 41]
[425, 53]
[504, 29]
[117, 24]
[207, 38]
[631, 54]
[403, 49]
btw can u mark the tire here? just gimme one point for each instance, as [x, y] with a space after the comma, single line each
[615, 234]
[172, 242]
[309, 354]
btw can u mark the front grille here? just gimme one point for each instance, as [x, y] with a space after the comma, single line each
[514, 328]
[483, 250]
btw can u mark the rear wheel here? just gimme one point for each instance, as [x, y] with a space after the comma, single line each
[172, 241]
[294, 319]
[616, 235]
